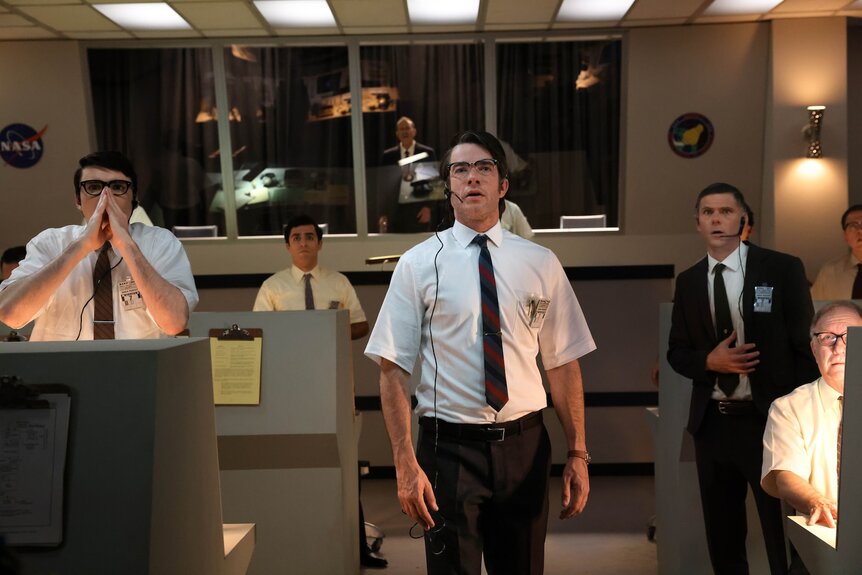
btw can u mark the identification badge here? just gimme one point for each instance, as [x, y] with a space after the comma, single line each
[536, 308]
[333, 304]
[130, 296]
[763, 299]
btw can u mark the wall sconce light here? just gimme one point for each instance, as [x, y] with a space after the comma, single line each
[811, 131]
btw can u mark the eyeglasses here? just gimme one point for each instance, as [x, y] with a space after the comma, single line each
[461, 170]
[856, 226]
[829, 339]
[95, 187]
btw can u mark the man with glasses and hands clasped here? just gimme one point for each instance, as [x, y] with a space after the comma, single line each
[802, 441]
[104, 279]
[840, 279]
[476, 305]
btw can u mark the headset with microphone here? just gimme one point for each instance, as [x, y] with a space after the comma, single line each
[742, 222]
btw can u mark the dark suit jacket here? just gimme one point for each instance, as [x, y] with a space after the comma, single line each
[781, 336]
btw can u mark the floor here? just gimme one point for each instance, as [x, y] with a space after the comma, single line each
[610, 537]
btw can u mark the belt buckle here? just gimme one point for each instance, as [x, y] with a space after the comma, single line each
[502, 431]
[722, 407]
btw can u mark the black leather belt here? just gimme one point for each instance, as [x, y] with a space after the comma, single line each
[481, 431]
[734, 407]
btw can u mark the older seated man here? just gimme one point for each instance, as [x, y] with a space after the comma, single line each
[801, 449]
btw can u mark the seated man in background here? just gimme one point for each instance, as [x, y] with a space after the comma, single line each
[840, 279]
[10, 260]
[305, 285]
[801, 450]
[104, 279]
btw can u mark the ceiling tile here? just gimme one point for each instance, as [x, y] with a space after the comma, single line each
[370, 12]
[70, 18]
[166, 34]
[116, 35]
[218, 15]
[41, 2]
[304, 31]
[519, 12]
[362, 30]
[22, 33]
[656, 22]
[445, 28]
[808, 6]
[11, 20]
[235, 32]
[521, 26]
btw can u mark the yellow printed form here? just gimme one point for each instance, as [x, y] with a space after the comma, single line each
[236, 371]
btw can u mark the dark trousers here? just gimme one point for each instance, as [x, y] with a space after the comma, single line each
[493, 499]
[729, 454]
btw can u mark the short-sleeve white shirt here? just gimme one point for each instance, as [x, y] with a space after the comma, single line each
[835, 279]
[285, 291]
[801, 436]
[449, 289]
[69, 308]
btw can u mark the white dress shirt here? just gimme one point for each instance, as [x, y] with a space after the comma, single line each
[70, 308]
[449, 289]
[285, 291]
[734, 279]
[802, 436]
[835, 279]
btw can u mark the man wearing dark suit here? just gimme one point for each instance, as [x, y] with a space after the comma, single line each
[413, 216]
[739, 332]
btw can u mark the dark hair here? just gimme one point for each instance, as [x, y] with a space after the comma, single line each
[832, 306]
[749, 214]
[109, 160]
[13, 255]
[853, 208]
[483, 140]
[722, 188]
[301, 220]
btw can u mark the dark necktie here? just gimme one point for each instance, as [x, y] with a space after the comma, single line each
[496, 392]
[407, 169]
[103, 300]
[727, 382]
[840, 430]
[309, 295]
[857, 284]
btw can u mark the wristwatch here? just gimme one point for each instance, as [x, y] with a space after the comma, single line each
[585, 455]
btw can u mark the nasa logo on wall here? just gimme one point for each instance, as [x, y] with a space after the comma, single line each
[690, 135]
[21, 146]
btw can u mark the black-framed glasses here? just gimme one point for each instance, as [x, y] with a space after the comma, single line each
[461, 170]
[95, 187]
[829, 339]
[856, 226]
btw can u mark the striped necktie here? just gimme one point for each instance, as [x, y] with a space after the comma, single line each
[496, 392]
[103, 298]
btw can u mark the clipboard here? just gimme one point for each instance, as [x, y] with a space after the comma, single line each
[236, 356]
[34, 432]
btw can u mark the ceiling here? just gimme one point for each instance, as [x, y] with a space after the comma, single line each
[77, 19]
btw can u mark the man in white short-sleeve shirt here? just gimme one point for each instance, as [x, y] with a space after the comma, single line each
[800, 444]
[478, 481]
[151, 284]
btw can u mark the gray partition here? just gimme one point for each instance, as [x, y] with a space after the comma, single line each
[814, 543]
[681, 535]
[142, 485]
[290, 463]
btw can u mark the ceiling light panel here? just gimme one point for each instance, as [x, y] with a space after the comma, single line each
[150, 16]
[296, 13]
[443, 11]
[738, 7]
[592, 11]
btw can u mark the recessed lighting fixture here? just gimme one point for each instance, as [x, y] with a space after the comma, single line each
[443, 11]
[150, 16]
[296, 13]
[590, 10]
[738, 7]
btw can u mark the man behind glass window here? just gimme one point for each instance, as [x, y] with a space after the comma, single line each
[476, 305]
[840, 279]
[151, 285]
[415, 216]
[739, 331]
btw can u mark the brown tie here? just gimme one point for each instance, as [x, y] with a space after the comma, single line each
[857, 284]
[840, 430]
[103, 300]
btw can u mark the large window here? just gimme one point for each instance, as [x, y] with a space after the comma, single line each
[282, 140]
[558, 106]
[439, 91]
